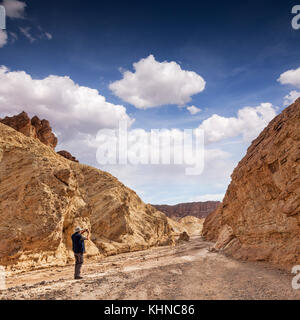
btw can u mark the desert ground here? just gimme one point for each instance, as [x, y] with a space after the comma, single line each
[187, 271]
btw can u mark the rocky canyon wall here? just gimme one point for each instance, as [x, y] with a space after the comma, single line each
[259, 219]
[44, 196]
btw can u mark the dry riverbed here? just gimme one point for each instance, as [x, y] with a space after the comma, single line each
[188, 271]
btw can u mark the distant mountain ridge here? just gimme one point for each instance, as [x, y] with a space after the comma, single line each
[196, 209]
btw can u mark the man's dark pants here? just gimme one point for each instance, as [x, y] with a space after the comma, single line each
[78, 264]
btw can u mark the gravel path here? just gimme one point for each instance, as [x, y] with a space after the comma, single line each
[188, 271]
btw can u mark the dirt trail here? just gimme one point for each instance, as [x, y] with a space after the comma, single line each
[188, 271]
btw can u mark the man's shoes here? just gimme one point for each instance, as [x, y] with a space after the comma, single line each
[78, 278]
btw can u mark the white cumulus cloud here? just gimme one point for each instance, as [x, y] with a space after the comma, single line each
[250, 121]
[172, 178]
[291, 97]
[154, 84]
[193, 110]
[70, 108]
[290, 77]
[14, 9]
[3, 38]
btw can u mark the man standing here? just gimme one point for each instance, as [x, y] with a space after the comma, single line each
[79, 249]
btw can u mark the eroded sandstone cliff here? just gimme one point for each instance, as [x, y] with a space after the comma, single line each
[260, 215]
[44, 196]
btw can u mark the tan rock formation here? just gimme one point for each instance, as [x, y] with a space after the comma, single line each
[260, 215]
[34, 128]
[44, 132]
[192, 225]
[213, 224]
[43, 196]
[224, 238]
[67, 155]
[184, 237]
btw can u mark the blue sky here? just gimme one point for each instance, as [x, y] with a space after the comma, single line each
[239, 48]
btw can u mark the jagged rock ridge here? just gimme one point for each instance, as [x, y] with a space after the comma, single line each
[259, 218]
[37, 129]
[196, 209]
[34, 128]
[67, 155]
